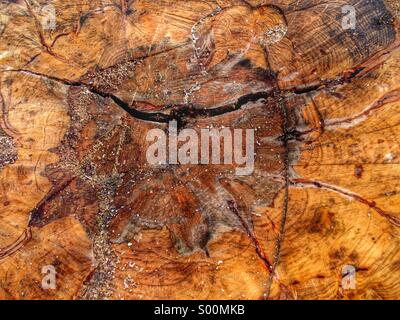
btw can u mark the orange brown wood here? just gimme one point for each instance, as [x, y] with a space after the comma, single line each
[78, 193]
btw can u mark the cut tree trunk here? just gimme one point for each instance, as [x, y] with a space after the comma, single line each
[77, 192]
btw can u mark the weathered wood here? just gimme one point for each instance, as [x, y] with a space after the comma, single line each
[78, 193]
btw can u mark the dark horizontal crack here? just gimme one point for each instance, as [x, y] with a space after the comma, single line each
[137, 114]
[179, 113]
[182, 112]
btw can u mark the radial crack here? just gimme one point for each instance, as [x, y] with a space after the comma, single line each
[299, 182]
[259, 250]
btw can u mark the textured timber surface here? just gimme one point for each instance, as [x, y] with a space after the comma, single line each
[76, 191]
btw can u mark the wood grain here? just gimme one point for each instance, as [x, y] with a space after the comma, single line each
[76, 189]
